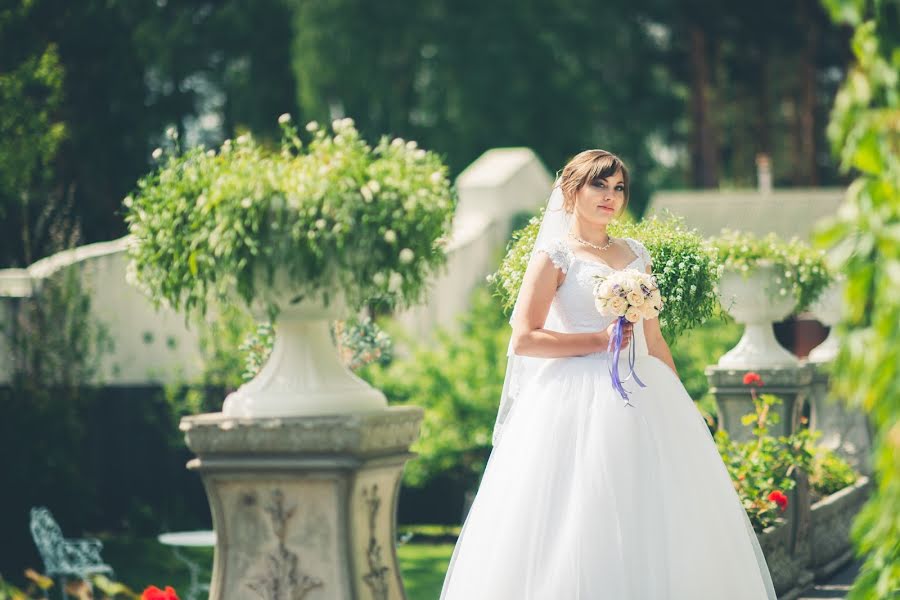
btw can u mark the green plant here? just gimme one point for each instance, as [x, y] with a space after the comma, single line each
[864, 131]
[802, 272]
[38, 586]
[339, 216]
[457, 378]
[764, 465]
[830, 473]
[684, 264]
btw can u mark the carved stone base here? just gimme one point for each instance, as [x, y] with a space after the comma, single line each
[733, 400]
[845, 429]
[304, 507]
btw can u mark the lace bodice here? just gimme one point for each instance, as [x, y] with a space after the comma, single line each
[574, 300]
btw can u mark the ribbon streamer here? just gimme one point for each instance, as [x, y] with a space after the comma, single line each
[615, 346]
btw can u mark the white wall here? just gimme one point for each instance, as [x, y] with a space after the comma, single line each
[499, 184]
[150, 346]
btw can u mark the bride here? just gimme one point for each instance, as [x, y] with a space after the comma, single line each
[585, 496]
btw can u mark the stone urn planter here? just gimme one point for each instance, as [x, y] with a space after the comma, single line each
[304, 374]
[832, 517]
[302, 467]
[827, 309]
[754, 299]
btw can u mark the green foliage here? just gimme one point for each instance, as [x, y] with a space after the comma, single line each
[361, 342]
[339, 216]
[56, 345]
[830, 473]
[696, 350]
[30, 95]
[803, 273]
[864, 239]
[457, 379]
[764, 464]
[684, 265]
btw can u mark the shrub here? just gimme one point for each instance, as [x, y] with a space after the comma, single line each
[337, 214]
[457, 378]
[802, 270]
[685, 266]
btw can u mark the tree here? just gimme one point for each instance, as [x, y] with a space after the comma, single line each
[865, 135]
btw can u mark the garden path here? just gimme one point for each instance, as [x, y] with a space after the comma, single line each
[835, 586]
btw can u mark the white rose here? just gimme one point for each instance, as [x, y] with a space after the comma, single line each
[157, 153]
[411, 145]
[635, 298]
[655, 296]
[633, 314]
[374, 186]
[320, 223]
[437, 177]
[389, 236]
[617, 305]
[366, 193]
[649, 311]
[312, 126]
[379, 279]
[603, 307]
[604, 290]
[284, 118]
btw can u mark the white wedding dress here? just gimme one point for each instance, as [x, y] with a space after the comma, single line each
[586, 498]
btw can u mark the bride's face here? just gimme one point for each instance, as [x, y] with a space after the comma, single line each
[598, 202]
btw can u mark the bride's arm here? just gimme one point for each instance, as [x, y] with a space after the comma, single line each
[656, 343]
[529, 338]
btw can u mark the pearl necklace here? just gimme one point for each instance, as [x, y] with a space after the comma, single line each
[595, 246]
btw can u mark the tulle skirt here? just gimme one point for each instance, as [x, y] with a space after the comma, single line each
[586, 498]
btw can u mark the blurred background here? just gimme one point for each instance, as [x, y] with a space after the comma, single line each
[690, 93]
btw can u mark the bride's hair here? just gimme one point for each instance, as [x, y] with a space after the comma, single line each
[586, 167]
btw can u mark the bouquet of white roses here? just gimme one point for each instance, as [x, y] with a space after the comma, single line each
[628, 295]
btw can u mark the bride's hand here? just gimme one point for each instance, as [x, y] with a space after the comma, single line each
[610, 331]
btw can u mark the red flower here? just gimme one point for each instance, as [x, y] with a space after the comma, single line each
[154, 593]
[752, 378]
[779, 498]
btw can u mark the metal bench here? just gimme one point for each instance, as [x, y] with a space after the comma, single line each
[65, 558]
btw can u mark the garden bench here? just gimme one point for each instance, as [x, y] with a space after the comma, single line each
[64, 558]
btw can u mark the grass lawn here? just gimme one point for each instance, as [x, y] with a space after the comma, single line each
[140, 562]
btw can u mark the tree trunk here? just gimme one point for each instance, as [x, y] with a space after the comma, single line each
[764, 112]
[704, 154]
[806, 113]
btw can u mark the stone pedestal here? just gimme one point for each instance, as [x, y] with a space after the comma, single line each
[304, 507]
[733, 399]
[845, 429]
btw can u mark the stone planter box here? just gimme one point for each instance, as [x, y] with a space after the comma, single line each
[832, 517]
[789, 575]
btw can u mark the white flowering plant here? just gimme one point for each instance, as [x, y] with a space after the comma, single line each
[802, 270]
[685, 267]
[340, 216]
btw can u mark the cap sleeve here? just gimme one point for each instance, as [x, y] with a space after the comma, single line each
[640, 251]
[559, 252]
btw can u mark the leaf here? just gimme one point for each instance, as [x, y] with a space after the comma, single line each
[112, 588]
[40, 580]
[867, 157]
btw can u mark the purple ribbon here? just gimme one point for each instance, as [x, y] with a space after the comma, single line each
[615, 346]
